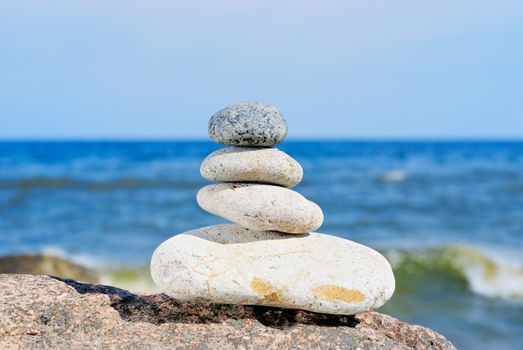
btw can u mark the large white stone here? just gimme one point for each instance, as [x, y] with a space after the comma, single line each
[261, 207]
[233, 265]
[247, 164]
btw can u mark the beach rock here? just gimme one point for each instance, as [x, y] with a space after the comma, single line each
[252, 124]
[39, 264]
[233, 265]
[40, 312]
[261, 165]
[261, 207]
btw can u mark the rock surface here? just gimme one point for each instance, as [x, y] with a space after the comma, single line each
[261, 207]
[40, 312]
[229, 264]
[39, 264]
[246, 164]
[251, 124]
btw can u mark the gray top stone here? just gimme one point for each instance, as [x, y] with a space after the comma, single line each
[251, 124]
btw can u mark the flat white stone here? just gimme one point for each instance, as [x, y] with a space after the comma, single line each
[233, 265]
[244, 164]
[261, 207]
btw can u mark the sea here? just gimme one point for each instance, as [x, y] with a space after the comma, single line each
[448, 215]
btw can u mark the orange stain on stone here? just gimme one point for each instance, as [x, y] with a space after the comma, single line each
[267, 291]
[332, 293]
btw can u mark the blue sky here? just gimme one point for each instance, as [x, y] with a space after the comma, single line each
[338, 69]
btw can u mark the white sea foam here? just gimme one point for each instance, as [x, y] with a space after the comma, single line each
[86, 260]
[134, 278]
[55, 251]
[493, 274]
[394, 175]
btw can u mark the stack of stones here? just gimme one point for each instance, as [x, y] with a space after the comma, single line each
[270, 255]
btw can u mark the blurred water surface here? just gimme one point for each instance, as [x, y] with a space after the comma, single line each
[448, 215]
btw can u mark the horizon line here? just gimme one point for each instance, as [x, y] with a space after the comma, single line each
[291, 139]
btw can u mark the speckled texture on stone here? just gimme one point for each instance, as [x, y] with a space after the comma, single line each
[232, 265]
[246, 164]
[40, 312]
[261, 207]
[251, 124]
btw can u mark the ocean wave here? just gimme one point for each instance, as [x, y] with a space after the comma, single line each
[134, 278]
[487, 273]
